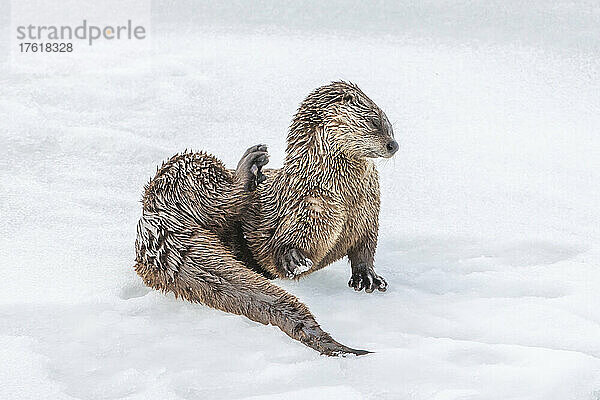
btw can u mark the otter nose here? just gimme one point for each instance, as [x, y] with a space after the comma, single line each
[392, 146]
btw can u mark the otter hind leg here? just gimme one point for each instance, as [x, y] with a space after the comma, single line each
[249, 169]
[211, 275]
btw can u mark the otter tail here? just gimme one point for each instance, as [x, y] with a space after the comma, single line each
[209, 274]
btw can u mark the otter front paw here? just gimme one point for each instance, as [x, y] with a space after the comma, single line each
[294, 262]
[249, 169]
[364, 276]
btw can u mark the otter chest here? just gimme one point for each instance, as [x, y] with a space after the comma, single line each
[360, 209]
[357, 209]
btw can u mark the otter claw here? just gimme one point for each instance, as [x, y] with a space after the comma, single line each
[295, 263]
[303, 267]
[364, 277]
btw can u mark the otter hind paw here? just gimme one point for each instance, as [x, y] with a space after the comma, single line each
[249, 169]
[294, 263]
[364, 277]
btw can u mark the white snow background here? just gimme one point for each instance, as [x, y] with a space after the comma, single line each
[490, 218]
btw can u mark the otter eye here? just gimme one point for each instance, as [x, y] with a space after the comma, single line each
[347, 98]
[376, 122]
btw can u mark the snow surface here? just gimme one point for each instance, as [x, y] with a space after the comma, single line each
[490, 221]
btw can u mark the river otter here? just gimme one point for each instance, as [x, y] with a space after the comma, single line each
[216, 236]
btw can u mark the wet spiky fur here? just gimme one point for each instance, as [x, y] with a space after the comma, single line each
[206, 237]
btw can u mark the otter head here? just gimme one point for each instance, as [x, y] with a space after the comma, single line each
[358, 126]
[347, 121]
